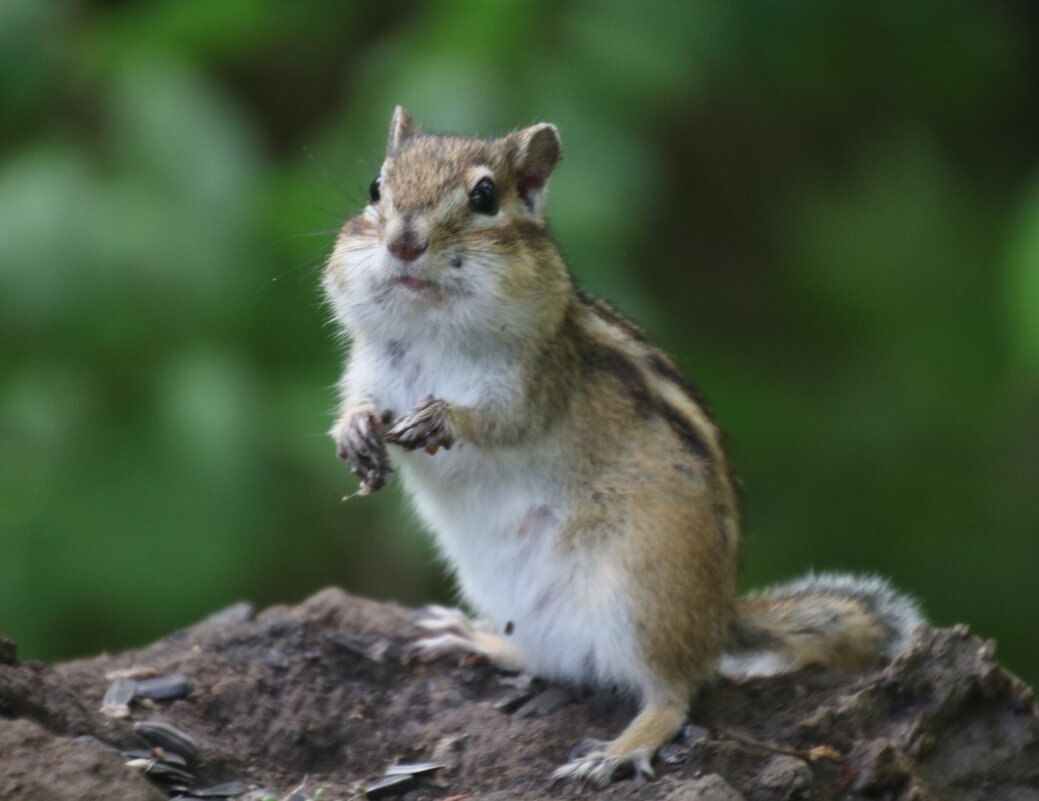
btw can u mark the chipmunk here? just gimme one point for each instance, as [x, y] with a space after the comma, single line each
[575, 481]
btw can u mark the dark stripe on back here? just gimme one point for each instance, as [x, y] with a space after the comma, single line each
[604, 358]
[685, 431]
[597, 356]
[610, 315]
[663, 367]
[658, 362]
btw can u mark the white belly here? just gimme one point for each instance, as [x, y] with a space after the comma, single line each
[497, 517]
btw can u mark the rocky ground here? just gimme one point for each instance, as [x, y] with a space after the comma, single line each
[321, 692]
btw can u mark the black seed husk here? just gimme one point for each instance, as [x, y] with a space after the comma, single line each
[513, 701]
[164, 688]
[389, 786]
[120, 693]
[156, 734]
[170, 774]
[225, 790]
[414, 769]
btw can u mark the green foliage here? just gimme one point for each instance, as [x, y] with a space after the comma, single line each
[828, 212]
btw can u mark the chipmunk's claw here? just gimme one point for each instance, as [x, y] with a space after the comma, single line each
[599, 767]
[450, 632]
[427, 426]
[359, 443]
[444, 619]
[443, 631]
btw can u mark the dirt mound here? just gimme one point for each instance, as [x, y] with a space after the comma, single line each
[321, 690]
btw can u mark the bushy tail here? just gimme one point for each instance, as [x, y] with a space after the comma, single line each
[832, 619]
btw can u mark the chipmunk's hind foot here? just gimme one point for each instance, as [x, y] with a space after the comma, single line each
[443, 631]
[600, 768]
[633, 750]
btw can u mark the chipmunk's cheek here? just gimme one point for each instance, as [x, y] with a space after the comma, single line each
[337, 283]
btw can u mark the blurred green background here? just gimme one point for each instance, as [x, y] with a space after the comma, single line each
[828, 212]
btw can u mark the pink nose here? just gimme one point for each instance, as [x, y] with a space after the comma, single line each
[406, 248]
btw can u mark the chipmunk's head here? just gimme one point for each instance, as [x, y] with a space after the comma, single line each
[453, 238]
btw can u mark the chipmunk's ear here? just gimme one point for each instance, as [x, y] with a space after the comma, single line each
[534, 153]
[402, 128]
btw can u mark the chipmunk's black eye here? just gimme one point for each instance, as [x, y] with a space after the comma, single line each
[484, 197]
[373, 190]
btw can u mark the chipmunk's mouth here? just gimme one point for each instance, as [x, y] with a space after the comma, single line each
[415, 284]
[407, 284]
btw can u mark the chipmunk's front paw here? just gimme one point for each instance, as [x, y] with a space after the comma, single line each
[599, 767]
[427, 426]
[359, 443]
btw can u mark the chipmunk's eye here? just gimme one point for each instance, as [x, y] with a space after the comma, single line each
[373, 190]
[484, 197]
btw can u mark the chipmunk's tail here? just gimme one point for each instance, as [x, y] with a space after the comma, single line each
[832, 619]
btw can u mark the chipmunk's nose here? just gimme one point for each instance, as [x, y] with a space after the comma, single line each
[407, 245]
[406, 251]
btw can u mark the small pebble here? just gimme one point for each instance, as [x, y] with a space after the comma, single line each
[448, 749]
[276, 659]
[236, 613]
[786, 776]
[383, 650]
[691, 733]
[673, 754]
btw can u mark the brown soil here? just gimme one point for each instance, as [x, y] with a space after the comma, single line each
[320, 690]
